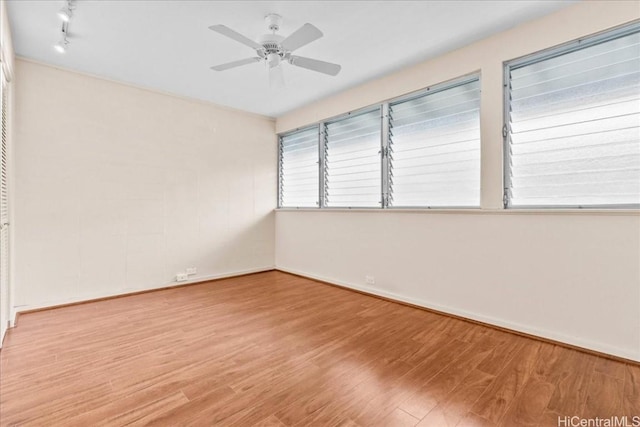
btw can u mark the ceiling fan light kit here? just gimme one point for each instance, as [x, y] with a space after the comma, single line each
[274, 49]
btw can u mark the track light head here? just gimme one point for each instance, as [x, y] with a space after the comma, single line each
[61, 46]
[65, 14]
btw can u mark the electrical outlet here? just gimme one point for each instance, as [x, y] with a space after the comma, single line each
[191, 270]
[370, 280]
[181, 277]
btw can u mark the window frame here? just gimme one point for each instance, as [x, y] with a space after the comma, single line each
[438, 87]
[279, 163]
[383, 108]
[323, 154]
[532, 58]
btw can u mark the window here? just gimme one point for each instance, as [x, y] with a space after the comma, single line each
[434, 148]
[352, 166]
[422, 150]
[573, 122]
[299, 179]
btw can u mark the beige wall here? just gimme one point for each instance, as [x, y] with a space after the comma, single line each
[120, 188]
[574, 277]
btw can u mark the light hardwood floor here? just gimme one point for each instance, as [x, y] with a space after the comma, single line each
[272, 349]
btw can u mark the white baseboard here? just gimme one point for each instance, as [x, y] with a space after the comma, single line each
[545, 334]
[3, 333]
[133, 291]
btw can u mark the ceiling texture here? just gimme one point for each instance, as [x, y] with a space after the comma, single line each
[166, 45]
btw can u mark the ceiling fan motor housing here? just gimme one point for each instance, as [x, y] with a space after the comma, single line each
[273, 21]
[273, 52]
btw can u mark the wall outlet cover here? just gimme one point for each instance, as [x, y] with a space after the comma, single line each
[192, 270]
[181, 277]
[370, 280]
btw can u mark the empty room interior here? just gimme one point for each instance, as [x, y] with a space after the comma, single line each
[320, 213]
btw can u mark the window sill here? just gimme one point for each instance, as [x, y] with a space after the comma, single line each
[475, 211]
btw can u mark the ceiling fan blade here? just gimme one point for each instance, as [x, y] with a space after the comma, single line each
[302, 36]
[276, 77]
[315, 65]
[226, 31]
[234, 64]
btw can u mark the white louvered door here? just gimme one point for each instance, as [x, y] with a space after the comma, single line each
[4, 212]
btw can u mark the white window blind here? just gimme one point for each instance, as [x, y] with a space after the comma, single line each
[574, 126]
[299, 170]
[434, 148]
[352, 164]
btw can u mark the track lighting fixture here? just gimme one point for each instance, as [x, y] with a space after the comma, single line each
[61, 46]
[65, 15]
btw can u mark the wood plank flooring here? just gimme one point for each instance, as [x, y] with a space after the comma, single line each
[272, 349]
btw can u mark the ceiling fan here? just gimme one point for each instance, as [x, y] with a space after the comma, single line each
[274, 49]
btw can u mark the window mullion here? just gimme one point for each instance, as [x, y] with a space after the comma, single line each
[384, 155]
[506, 143]
[322, 151]
[280, 172]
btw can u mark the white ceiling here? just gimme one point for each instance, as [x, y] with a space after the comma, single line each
[166, 45]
